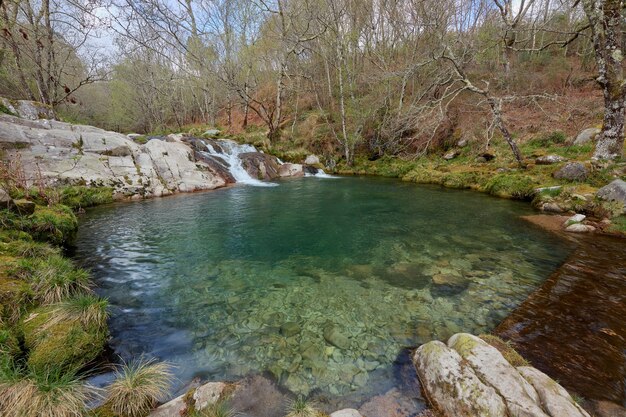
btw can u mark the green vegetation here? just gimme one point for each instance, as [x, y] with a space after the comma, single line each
[137, 388]
[77, 197]
[301, 407]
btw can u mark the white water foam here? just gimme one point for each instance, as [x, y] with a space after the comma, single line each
[231, 155]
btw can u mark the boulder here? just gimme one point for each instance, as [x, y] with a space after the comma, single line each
[614, 191]
[347, 412]
[23, 207]
[451, 155]
[586, 135]
[549, 159]
[576, 218]
[452, 386]
[207, 394]
[553, 397]
[291, 170]
[212, 132]
[312, 160]
[175, 408]
[579, 228]
[462, 142]
[550, 207]
[5, 200]
[573, 171]
[260, 166]
[490, 366]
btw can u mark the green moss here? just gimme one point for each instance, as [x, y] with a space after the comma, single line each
[80, 196]
[56, 224]
[618, 225]
[4, 109]
[512, 185]
[9, 344]
[15, 294]
[67, 344]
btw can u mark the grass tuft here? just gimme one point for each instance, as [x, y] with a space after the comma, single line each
[137, 387]
[25, 393]
[302, 407]
[54, 278]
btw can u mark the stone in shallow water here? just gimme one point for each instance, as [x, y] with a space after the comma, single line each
[334, 336]
[289, 329]
[348, 412]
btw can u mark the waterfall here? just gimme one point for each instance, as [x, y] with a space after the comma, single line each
[228, 156]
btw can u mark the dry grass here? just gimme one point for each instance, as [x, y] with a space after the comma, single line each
[301, 407]
[89, 310]
[50, 394]
[138, 387]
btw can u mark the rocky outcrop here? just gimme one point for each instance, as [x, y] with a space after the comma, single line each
[614, 191]
[469, 377]
[59, 153]
[25, 109]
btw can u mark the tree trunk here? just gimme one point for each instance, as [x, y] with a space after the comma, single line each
[611, 141]
[496, 110]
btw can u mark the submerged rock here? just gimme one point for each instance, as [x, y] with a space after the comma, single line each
[334, 336]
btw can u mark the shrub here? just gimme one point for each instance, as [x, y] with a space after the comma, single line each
[137, 387]
[555, 138]
[54, 278]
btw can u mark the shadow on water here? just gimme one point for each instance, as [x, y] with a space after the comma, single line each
[574, 326]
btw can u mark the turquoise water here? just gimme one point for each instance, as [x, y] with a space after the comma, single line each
[318, 282]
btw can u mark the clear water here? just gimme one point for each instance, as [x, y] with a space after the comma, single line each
[320, 283]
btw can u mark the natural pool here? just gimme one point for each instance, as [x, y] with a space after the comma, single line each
[319, 282]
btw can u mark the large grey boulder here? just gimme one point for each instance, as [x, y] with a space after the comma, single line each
[520, 397]
[312, 160]
[554, 398]
[452, 386]
[26, 109]
[586, 135]
[614, 191]
[573, 171]
[260, 166]
[291, 170]
[468, 377]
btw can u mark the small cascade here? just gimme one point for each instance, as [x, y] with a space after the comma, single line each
[226, 153]
[319, 174]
